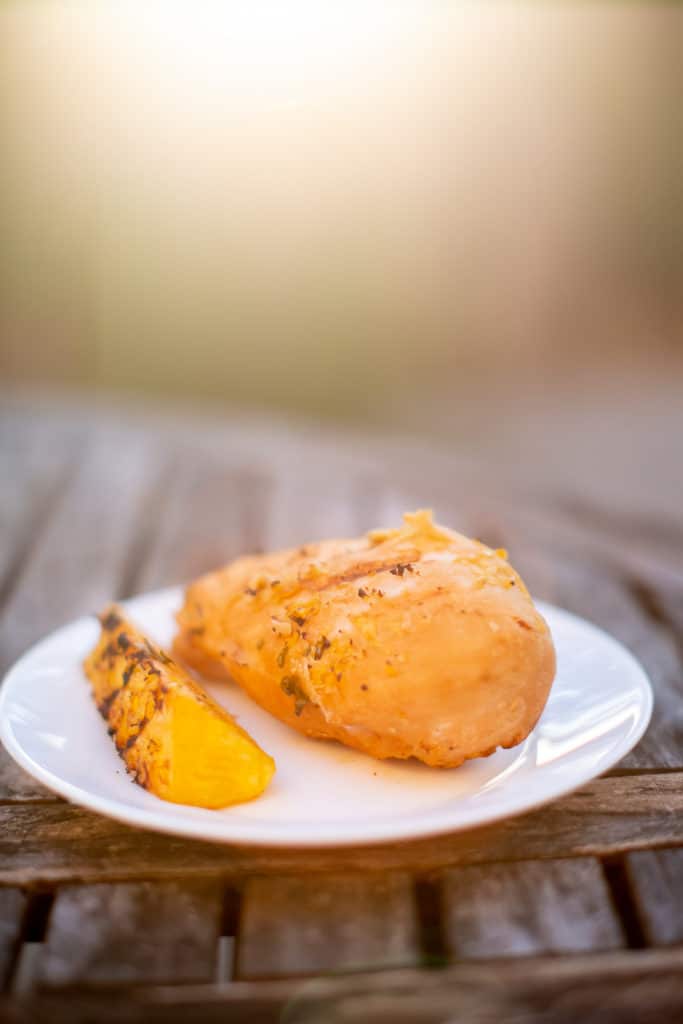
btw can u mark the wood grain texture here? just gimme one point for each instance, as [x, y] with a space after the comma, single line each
[77, 561]
[651, 551]
[559, 991]
[608, 988]
[34, 466]
[213, 511]
[17, 785]
[306, 925]
[597, 594]
[645, 548]
[656, 878]
[133, 932]
[554, 906]
[54, 843]
[669, 606]
[12, 907]
[149, 504]
[312, 503]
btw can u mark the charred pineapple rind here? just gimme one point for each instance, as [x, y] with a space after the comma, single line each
[145, 698]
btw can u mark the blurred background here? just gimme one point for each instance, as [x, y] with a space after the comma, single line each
[457, 221]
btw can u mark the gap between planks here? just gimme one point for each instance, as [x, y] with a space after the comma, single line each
[23, 921]
[290, 926]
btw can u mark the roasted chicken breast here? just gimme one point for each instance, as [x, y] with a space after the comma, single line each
[410, 642]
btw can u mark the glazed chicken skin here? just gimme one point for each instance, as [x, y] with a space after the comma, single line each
[413, 642]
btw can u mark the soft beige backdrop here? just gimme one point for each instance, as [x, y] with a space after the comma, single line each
[339, 208]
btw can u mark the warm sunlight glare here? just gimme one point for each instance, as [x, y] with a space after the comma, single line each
[275, 53]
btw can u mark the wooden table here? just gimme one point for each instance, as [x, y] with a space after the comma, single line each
[573, 912]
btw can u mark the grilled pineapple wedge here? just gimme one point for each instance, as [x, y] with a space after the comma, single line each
[176, 741]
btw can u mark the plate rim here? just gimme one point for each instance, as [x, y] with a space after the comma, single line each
[227, 833]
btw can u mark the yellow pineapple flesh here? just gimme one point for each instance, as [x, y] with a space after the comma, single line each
[176, 741]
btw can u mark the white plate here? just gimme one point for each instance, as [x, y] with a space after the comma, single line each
[323, 793]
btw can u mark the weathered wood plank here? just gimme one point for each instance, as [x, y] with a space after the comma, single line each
[303, 925]
[140, 932]
[76, 562]
[16, 784]
[609, 988]
[216, 509]
[656, 879]
[213, 511]
[630, 1000]
[647, 548]
[554, 906]
[669, 600]
[12, 907]
[617, 819]
[33, 467]
[56, 842]
[313, 501]
[78, 559]
[598, 595]
[462, 489]
[592, 536]
[560, 991]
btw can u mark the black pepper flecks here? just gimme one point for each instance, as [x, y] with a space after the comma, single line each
[320, 648]
[362, 592]
[111, 621]
[400, 568]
